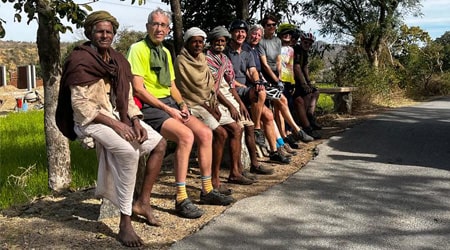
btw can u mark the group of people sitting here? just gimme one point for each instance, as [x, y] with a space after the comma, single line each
[246, 83]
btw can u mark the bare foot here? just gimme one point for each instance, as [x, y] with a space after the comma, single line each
[128, 237]
[146, 211]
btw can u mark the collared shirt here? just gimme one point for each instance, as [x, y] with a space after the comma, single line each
[139, 58]
[241, 62]
[256, 52]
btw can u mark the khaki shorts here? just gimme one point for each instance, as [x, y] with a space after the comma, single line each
[202, 114]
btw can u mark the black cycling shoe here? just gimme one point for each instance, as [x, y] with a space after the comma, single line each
[313, 122]
[278, 158]
[291, 141]
[187, 209]
[215, 198]
[311, 132]
[260, 139]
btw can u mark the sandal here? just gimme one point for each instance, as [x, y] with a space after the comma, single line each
[224, 190]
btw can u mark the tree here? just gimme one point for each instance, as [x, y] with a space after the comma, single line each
[444, 40]
[367, 21]
[49, 15]
[124, 39]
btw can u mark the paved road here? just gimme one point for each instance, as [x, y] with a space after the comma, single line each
[384, 184]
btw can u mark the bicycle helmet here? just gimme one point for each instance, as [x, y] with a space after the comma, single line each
[238, 24]
[308, 36]
[273, 93]
[296, 34]
[285, 28]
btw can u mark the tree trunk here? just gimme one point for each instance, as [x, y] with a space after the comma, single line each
[242, 9]
[177, 25]
[58, 152]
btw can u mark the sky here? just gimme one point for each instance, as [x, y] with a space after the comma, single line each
[435, 19]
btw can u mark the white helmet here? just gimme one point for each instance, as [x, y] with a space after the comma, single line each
[273, 93]
[308, 36]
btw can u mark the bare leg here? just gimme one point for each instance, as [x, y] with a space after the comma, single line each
[153, 167]
[235, 133]
[312, 102]
[283, 107]
[299, 105]
[219, 139]
[182, 135]
[279, 119]
[127, 236]
[269, 128]
[257, 107]
[203, 138]
[251, 145]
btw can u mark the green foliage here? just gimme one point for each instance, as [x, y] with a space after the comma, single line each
[444, 41]
[352, 69]
[69, 49]
[23, 172]
[124, 39]
[54, 12]
[368, 22]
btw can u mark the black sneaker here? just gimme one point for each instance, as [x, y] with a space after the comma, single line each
[215, 198]
[302, 136]
[278, 158]
[260, 139]
[313, 122]
[311, 132]
[188, 210]
[291, 141]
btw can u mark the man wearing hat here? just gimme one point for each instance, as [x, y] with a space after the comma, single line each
[95, 100]
[223, 73]
[199, 88]
[166, 111]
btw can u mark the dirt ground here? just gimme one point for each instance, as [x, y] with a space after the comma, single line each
[69, 221]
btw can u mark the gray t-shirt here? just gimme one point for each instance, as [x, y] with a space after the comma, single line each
[271, 48]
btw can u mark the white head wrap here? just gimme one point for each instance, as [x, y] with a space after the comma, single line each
[194, 31]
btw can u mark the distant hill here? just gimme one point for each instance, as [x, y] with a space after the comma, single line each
[13, 54]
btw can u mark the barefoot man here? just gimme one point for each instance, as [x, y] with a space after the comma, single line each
[95, 100]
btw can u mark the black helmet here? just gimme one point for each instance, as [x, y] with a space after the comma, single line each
[238, 24]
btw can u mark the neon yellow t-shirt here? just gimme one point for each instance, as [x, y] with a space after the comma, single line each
[139, 57]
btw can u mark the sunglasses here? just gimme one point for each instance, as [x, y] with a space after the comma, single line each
[271, 24]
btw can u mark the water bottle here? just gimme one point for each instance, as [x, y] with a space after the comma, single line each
[25, 106]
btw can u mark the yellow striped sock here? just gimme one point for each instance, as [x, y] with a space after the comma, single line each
[181, 192]
[207, 184]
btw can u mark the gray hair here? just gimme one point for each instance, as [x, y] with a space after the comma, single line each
[255, 28]
[159, 11]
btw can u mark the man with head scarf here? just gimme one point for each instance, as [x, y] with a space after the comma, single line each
[96, 100]
[223, 73]
[166, 111]
[198, 87]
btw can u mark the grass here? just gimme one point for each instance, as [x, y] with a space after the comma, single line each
[325, 103]
[23, 159]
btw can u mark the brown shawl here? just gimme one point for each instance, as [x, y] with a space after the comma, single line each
[195, 80]
[86, 66]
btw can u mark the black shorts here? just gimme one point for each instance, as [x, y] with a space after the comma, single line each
[155, 117]
[299, 91]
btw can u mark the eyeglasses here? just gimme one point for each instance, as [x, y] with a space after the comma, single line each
[156, 24]
[271, 24]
